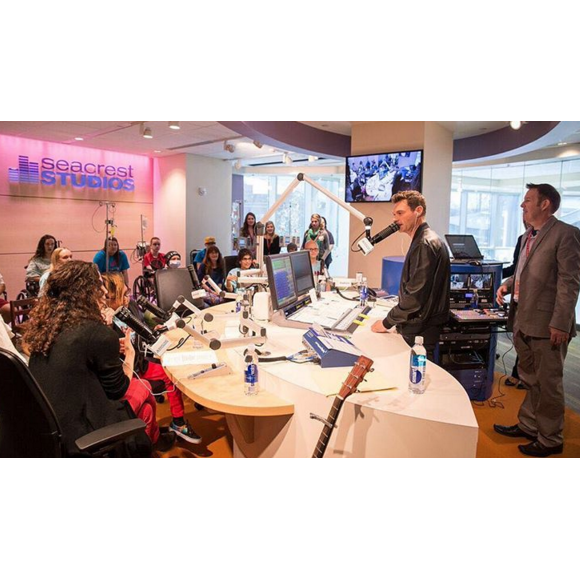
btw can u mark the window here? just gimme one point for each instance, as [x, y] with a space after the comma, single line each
[293, 217]
[485, 202]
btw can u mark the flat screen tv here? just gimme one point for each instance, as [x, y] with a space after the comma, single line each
[377, 177]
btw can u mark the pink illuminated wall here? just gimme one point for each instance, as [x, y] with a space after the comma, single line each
[62, 199]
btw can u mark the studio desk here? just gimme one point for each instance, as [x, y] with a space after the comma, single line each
[388, 423]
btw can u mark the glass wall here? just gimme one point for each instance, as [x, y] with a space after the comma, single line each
[293, 217]
[485, 201]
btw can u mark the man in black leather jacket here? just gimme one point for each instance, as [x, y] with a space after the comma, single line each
[424, 290]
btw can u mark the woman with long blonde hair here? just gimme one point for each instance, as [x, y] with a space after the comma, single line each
[59, 257]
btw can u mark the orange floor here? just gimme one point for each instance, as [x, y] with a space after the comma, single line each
[502, 408]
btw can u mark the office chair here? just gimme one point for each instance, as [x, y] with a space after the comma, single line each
[171, 283]
[192, 256]
[30, 428]
[231, 262]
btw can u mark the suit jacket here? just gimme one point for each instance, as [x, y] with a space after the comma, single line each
[511, 270]
[549, 282]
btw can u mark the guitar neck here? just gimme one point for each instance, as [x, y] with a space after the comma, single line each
[327, 430]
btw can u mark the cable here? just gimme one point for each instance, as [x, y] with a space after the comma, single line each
[357, 299]
[356, 241]
[93, 221]
[493, 401]
[300, 357]
[181, 342]
[147, 383]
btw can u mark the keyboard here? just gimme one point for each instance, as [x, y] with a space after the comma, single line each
[351, 320]
[331, 315]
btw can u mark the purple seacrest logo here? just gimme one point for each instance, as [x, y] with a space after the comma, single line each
[26, 172]
[62, 172]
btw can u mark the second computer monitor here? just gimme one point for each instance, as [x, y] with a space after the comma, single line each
[302, 268]
[281, 280]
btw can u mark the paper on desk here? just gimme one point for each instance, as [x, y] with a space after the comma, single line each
[232, 329]
[200, 357]
[329, 381]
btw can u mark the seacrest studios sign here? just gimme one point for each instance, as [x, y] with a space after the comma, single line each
[62, 172]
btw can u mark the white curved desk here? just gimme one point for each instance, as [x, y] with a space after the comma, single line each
[393, 423]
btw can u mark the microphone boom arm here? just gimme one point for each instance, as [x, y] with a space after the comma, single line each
[368, 221]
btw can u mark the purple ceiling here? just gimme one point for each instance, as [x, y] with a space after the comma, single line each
[295, 136]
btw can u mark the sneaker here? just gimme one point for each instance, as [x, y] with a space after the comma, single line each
[185, 432]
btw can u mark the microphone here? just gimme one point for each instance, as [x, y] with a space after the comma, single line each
[366, 245]
[179, 302]
[389, 230]
[198, 291]
[156, 343]
[194, 278]
[126, 316]
[154, 309]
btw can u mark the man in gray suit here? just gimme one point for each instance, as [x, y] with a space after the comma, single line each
[544, 292]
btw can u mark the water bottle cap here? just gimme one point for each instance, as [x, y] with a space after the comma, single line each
[419, 340]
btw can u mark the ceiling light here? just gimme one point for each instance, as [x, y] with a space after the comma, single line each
[157, 151]
[146, 132]
[515, 125]
[229, 147]
[79, 139]
[174, 125]
[562, 143]
[312, 158]
[257, 144]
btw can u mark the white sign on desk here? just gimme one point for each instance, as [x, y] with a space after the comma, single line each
[200, 357]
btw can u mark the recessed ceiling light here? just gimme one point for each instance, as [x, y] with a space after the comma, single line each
[157, 151]
[562, 143]
[174, 125]
[79, 139]
[515, 125]
[147, 133]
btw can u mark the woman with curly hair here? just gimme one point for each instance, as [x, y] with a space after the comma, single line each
[75, 357]
[213, 266]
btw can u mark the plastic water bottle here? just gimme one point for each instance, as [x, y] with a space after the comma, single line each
[363, 292]
[417, 367]
[321, 286]
[251, 384]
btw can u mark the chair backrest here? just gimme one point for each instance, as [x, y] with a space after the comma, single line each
[28, 424]
[231, 262]
[19, 310]
[171, 283]
[192, 256]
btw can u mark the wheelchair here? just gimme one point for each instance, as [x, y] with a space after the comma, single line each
[31, 291]
[144, 285]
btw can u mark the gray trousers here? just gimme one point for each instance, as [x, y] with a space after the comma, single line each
[541, 368]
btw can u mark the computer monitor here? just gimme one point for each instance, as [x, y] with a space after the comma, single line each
[281, 280]
[459, 281]
[463, 247]
[302, 268]
[482, 281]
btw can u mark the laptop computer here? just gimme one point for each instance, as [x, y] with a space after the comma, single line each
[463, 248]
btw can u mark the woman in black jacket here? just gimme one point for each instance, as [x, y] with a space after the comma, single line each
[75, 357]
